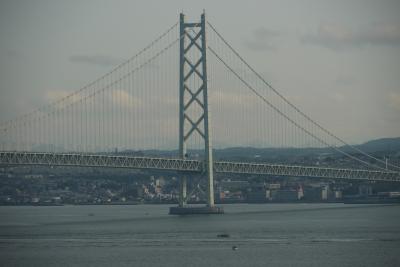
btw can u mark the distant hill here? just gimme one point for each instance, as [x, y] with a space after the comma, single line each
[383, 144]
[373, 146]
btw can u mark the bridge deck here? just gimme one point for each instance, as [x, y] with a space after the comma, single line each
[110, 161]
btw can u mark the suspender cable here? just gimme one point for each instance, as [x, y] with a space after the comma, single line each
[297, 109]
[284, 115]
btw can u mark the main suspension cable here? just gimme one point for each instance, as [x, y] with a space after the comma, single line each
[77, 92]
[284, 115]
[295, 107]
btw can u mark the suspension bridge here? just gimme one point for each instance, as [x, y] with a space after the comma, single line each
[161, 99]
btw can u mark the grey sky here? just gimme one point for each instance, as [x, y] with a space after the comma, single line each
[337, 60]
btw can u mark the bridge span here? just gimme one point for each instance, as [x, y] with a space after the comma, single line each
[186, 165]
[153, 99]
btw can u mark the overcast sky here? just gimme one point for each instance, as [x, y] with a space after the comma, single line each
[337, 60]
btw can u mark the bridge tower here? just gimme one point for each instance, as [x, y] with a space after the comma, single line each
[194, 114]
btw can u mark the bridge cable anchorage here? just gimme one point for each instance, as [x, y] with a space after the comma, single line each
[295, 107]
[77, 92]
[284, 115]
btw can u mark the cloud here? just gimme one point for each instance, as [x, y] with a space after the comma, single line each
[54, 95]
[124, 99]
[394, 100]
[263, 39]
[99, 60]
[107, 61]
[13, 54]
[119, 97]
[232, 99]
[338, 37]
[345, 80]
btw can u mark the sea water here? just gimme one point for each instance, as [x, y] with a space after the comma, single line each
[246, 235]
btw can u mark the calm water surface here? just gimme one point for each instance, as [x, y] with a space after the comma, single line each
[145, 235]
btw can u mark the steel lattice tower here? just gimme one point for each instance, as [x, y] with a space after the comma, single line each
[193, 42]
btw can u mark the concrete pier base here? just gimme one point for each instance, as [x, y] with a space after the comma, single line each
[195, 210]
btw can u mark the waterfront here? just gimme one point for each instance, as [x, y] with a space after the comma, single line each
[145, 235]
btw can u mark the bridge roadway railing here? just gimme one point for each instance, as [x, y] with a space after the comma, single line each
[113, 161]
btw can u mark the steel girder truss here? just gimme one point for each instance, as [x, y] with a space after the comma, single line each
[305, 171]
[110, 161]
[90, 160]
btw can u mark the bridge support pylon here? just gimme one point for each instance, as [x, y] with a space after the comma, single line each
[194, 117]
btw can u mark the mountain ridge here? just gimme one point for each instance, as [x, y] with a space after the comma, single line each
[372, 146]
